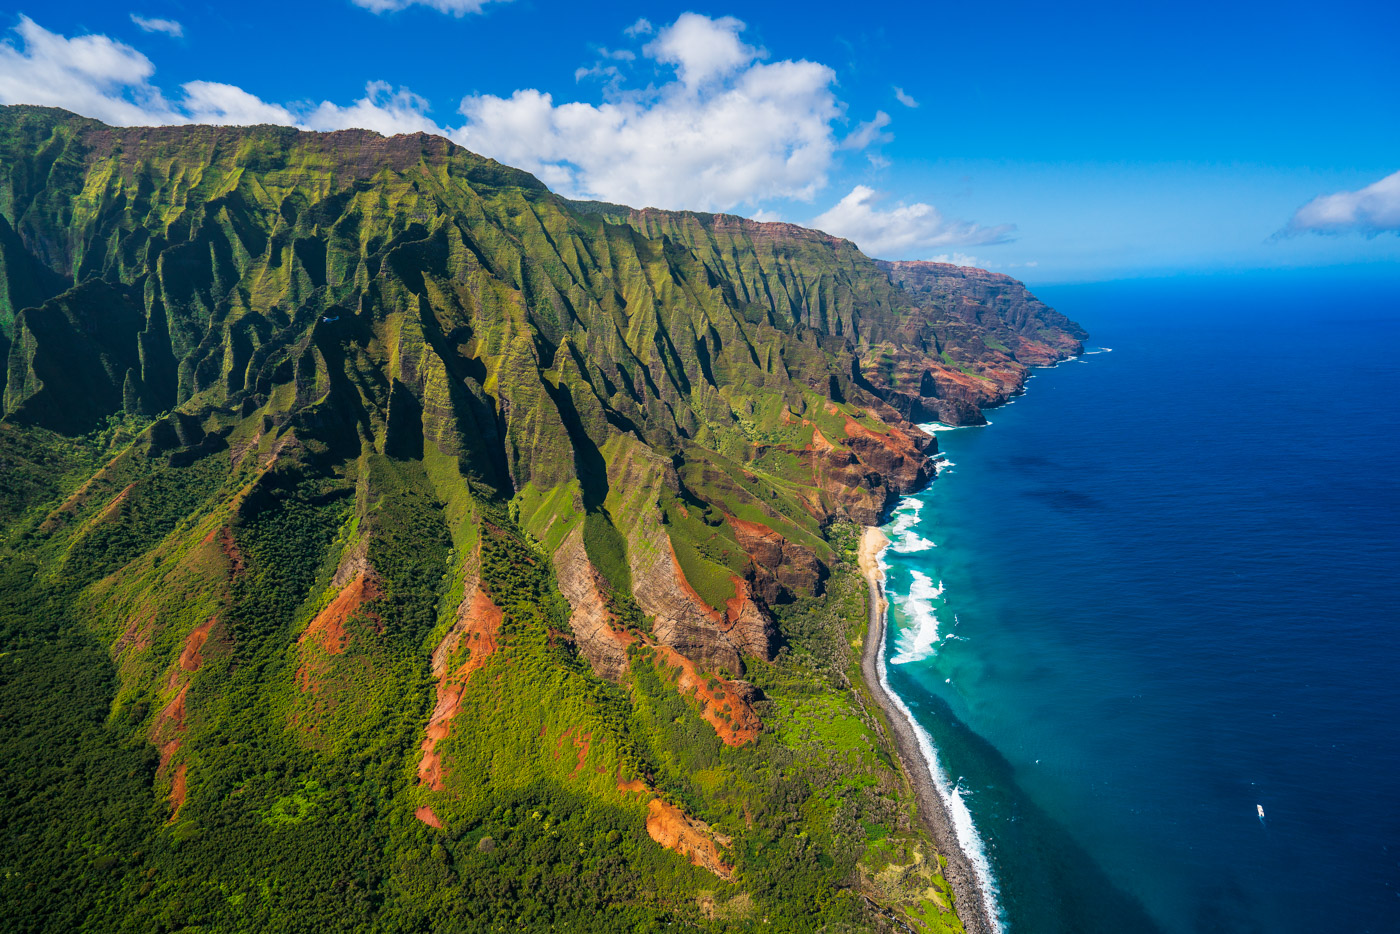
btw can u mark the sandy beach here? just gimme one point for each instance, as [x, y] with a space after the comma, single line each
[969, 902]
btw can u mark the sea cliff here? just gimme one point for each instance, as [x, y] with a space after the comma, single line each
[414, 530]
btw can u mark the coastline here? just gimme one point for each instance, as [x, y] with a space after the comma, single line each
[970, 900]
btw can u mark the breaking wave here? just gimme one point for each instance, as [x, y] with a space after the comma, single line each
[969, 840]
[905, 518]
[920, 639]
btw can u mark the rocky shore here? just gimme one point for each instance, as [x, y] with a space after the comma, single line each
[968, 896]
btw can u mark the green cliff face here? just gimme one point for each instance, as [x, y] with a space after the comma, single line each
[390, 544]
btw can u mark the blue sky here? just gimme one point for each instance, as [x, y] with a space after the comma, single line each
[1057, 142]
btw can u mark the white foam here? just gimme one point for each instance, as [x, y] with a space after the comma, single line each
[969, 840]
[933, 427]
[921, 639]
[901, 528]
[941, 464]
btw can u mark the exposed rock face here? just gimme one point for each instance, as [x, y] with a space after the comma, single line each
[718, 641]
[782, 569]
[970, 343]
[591, 620]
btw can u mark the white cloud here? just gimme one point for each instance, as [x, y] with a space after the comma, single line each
[728, 129]
[91, 75]
[702, 49]
[722, 129]
[904, 99]
[609, 72]
[382, 109]
[454, 7]
[965, 259]
[1372, 210]
[957, 259]
[642, 27]
[906, 229]
[168, 26]
[210, 102]
[869, 132]
[99, 77]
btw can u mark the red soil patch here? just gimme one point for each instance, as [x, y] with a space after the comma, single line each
[190, 658]
[819, 442]
[734, 606]
[668, 826]
[478, 626]
[171, 719]
[328, 628]
[743, 725]
[584, 744]
[177, 791]
[426, 815]
[635, 785]
[756, 529]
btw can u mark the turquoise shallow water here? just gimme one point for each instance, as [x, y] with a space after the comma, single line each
[1159, 590]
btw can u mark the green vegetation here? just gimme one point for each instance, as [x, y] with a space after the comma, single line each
[300, 437]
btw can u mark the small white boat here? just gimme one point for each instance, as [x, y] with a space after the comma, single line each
[1260, 809]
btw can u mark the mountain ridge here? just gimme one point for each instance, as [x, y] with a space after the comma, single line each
[358, 455]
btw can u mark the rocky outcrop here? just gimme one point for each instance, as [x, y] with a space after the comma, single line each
[716, 640]
[713, 638]
[603, 646]
[969, 343]
[782, 569]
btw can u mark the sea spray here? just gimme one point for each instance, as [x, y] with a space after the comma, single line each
[969, 840]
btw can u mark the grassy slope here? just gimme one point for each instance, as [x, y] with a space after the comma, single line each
[307, 364]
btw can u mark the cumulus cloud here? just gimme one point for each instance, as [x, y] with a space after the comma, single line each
[454, 7]
[91, 75]
[100, 77]
[168, 26]
[1372, 210]
[727, 128]
[382, 109]
[904, 99]
[719, 127]
[903, 230]
[211, 102]
[702, 49]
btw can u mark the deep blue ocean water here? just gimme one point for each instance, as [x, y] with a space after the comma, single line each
[1170, 592]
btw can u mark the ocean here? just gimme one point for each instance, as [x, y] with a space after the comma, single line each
[1161, 590]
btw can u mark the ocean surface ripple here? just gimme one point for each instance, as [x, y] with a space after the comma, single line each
[1161, 597]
